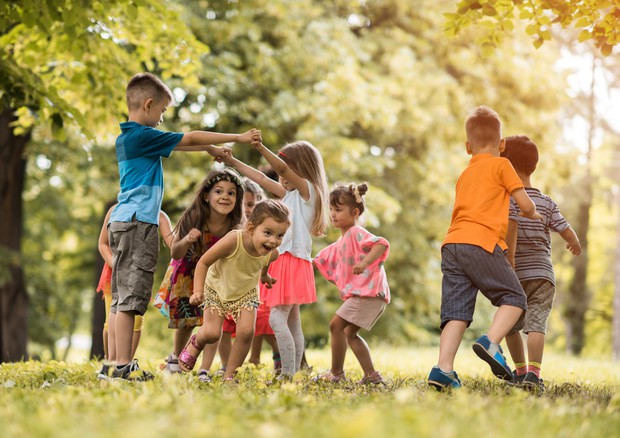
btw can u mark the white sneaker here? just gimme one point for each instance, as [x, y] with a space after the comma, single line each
[172, 364]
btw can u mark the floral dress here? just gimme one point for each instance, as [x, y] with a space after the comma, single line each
[172, 298]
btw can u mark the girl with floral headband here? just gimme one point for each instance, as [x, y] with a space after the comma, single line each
[216, 209]
[354, 263]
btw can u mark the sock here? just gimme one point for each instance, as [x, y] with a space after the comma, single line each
[520, 368]
[118, 367]
[534, 367]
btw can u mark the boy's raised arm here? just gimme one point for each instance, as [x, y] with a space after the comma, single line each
[206, 138]
[255, 175]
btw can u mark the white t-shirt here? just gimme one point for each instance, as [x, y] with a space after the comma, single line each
[298, 240]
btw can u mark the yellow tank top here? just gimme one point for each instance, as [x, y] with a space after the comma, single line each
[234, 276]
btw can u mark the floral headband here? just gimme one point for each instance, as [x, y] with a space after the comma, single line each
[356, 193]
[222, 177]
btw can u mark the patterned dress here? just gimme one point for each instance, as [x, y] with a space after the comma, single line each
[172, 298]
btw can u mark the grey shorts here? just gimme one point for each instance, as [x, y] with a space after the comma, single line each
[363, 312]
[135, 247]
[468, 269]
[540, 294]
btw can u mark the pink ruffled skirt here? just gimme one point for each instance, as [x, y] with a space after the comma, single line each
[294, 282]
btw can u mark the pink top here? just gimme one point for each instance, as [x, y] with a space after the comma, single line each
[336, 261]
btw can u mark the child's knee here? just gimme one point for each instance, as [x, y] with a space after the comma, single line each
[245, 335]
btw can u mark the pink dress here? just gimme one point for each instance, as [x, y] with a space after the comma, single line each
[336, 261]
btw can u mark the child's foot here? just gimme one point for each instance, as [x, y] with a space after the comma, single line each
[493, 355]
[172, 364]
[187, 358]
[204, 376]
[330, 377]
[374, 378]
[277, 363]
[221, 371]
[517, 380]
[132, 372]
[441, 380]
[533, 383]
[104, 373]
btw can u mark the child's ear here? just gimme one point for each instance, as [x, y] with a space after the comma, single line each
[356, 212]
[468, 148]
[502, 145]
[250, 226]
[148, 103]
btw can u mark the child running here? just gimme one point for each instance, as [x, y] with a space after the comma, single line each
[531, 257]
[133, 223]
[104, 286]
[217, 209]
[354, 263]
[226, 281]
[303, 188]
[472, 254]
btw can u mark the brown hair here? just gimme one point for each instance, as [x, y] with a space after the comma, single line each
[250, 186]
[350, 195]
[306, 161]
[269, 208]
[483, 127]
[522, 153]
[145, 86]
[197, 214]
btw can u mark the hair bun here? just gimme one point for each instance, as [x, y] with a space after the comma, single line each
[362, 189]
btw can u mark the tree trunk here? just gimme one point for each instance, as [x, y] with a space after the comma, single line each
[615, 320]
[13, 296]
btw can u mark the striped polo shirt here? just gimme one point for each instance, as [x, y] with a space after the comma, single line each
[533, 255]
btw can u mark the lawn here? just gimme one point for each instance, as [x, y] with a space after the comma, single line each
[43, 399]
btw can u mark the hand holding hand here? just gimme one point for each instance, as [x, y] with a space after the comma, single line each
[249, 136]
[268, 281]
[220, 153]
[196, 299]
[193, 235]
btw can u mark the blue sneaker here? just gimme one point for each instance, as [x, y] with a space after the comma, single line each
[494, 356]
[441, 380]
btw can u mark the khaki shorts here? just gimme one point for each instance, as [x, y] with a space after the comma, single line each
[138, 322]
[135, 247]
[540, 294]
[362, 312]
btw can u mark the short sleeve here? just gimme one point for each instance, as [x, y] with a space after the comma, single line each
[157, 143]
[509, 178]
[557, 222]
[326, 263]
[366, 240]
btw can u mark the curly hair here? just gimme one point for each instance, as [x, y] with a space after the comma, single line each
[350, 194]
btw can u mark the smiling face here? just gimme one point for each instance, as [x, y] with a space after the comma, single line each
[268, 235]
[343, 216]
[222, 197]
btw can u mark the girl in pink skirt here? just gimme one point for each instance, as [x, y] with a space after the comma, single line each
[354, 263]
[302, 187]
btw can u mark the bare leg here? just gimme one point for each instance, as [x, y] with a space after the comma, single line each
[112, 338]
[449, 343]
[338, 343]
[181, 336]
[208, 334]
[208, 354]
[257, 345]
[360, 349]
[225, 347]
[241, 347]
[504, 320]
[516, 348]
[535, 346]
[106, 356]
[124, 334]
[135, 340]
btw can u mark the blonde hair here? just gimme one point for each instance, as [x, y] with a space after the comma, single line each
[145, 86]
[483, 127]
[306, 161]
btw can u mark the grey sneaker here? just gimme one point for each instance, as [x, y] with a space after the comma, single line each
[104, 373]
[533, 383]
[204, 376]
[172, 364]
[132, 372]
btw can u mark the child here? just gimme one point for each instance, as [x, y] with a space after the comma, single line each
[226, 282]
[303, 188]
[133, 223]
[354, 263]
[216, 209]
[531, 258]
[472, 254]
[109, 347]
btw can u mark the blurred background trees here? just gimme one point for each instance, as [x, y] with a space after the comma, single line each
[377, 86]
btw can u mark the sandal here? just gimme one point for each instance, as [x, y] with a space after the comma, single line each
[375, 378]
[186, 359]
[330, 377]
[204, 376]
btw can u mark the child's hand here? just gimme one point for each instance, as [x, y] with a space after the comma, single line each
[574, 248]
[535, 216]
[196, 299]
[359, 268]
[220, 153]
[249, 136]
[268, 281]
[193, 235]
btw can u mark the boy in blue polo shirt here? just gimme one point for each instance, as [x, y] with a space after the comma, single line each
[133, 224]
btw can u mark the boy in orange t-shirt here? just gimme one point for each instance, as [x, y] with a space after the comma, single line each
[473, 252]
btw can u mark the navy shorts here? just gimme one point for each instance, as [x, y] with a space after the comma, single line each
[468, 269]
[135, 247]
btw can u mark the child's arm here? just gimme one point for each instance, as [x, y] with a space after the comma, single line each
[375, 252]
[181, 245]
[271, 186]
[572, 241]
[165, 229]
[222, 248]
[265, 278]
[282, 169]
[104, 242]
[526, 205]
[206, 139]
[511, 241]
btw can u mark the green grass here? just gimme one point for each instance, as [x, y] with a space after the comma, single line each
[42, 399]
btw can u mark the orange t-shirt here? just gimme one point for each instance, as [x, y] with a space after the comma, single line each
[480, 215]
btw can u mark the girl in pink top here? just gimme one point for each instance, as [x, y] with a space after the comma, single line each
[354, 263]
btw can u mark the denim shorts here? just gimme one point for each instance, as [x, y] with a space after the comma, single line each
[540, 294]
[135, 247]
[468, 269]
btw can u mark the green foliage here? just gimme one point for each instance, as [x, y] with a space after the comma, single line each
[594, 20]
[66, 399]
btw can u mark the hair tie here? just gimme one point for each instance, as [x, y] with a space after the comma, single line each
[282, 154]
[356, 193]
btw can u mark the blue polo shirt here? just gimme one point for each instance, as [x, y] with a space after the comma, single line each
[139, 150]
